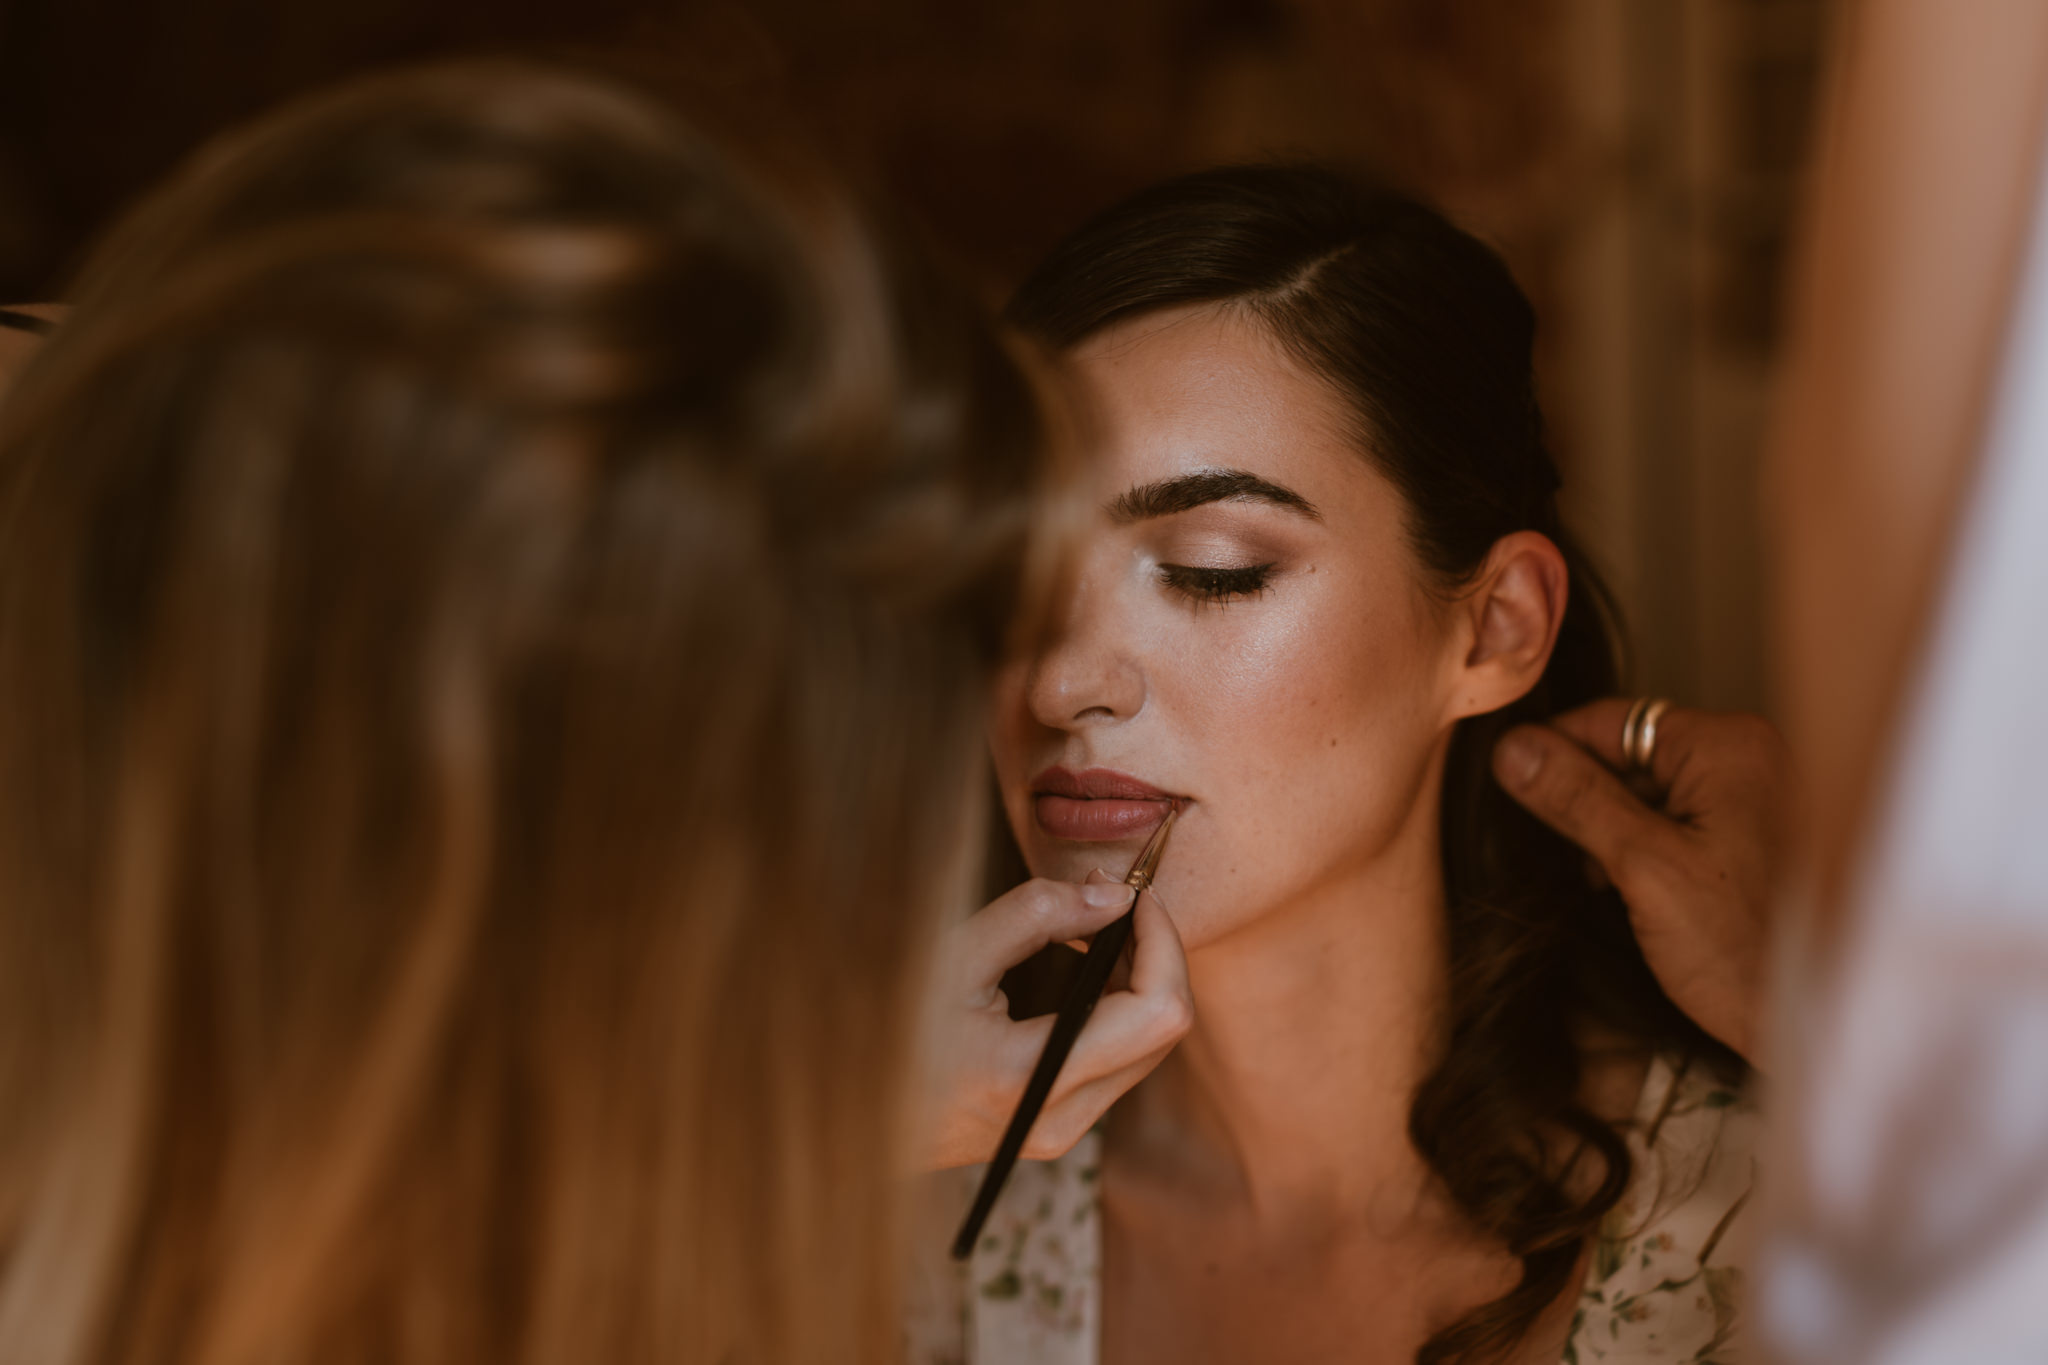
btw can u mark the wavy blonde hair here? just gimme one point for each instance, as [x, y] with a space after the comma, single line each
[494, 597]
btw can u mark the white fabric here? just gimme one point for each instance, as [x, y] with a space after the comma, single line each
[1918, 1078]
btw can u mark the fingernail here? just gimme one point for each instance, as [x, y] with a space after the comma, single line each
[1517, 758]
[1103, 895]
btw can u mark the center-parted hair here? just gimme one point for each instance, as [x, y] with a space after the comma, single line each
[1423, 333]
[495, 594]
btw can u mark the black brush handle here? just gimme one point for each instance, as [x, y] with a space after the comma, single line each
[1075, 1007]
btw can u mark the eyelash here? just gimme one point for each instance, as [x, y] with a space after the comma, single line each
[1215, 585]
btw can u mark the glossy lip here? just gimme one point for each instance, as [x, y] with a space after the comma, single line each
[1099, 805]
[1096, 784]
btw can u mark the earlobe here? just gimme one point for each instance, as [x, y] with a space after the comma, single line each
[1516, 607]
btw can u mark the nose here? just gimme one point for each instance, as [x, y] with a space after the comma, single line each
[1087, 675]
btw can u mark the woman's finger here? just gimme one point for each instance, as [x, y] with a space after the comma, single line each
[1124, 1039]
[1140, 1024]
[1159, 964]
[1149, 1016]
[1575, 793]
[1027, 918]
[1597, 727]
[981, 1060]
[1065, 1120]
[1125, 1028]
[1130, 1032]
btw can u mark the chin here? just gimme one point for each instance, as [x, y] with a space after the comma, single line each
[1072, 862]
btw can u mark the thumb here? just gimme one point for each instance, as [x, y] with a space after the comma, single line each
[1575, 794]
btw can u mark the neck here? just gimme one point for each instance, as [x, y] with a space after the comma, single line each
[1314, 1027]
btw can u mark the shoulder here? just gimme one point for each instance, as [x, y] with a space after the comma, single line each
[1666, 1282]
[1027, 1296]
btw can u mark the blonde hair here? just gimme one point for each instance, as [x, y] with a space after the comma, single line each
[494, 597]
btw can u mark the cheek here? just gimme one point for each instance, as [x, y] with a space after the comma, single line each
[1315, 730]
[1331, 678]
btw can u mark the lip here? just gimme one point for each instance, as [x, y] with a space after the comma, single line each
[1099, 805]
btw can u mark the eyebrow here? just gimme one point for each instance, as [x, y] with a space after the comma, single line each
[1186, 492]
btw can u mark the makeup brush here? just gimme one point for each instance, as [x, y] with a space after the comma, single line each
[1075, 1007]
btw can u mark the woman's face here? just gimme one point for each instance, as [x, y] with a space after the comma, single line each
[1248, 630]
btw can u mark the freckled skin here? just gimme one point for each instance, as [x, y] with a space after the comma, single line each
[1305, 721]
[1307, 718]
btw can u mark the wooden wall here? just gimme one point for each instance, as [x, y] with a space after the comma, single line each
[1635, 160]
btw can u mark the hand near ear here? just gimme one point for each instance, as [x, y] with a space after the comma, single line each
[1698, 874]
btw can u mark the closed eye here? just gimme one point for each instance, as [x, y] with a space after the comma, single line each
[1215, 585]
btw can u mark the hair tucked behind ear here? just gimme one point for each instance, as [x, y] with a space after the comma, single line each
[1424, 333]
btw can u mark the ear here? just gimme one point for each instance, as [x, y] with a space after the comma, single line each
[1508, 621]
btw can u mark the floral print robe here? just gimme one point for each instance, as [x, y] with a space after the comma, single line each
[1664, 1285]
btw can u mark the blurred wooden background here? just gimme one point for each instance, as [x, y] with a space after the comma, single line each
[1637, 161]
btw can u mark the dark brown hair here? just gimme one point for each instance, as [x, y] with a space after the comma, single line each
[495, 594]
[1422, 330]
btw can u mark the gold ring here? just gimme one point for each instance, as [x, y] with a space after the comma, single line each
[1639, 731]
